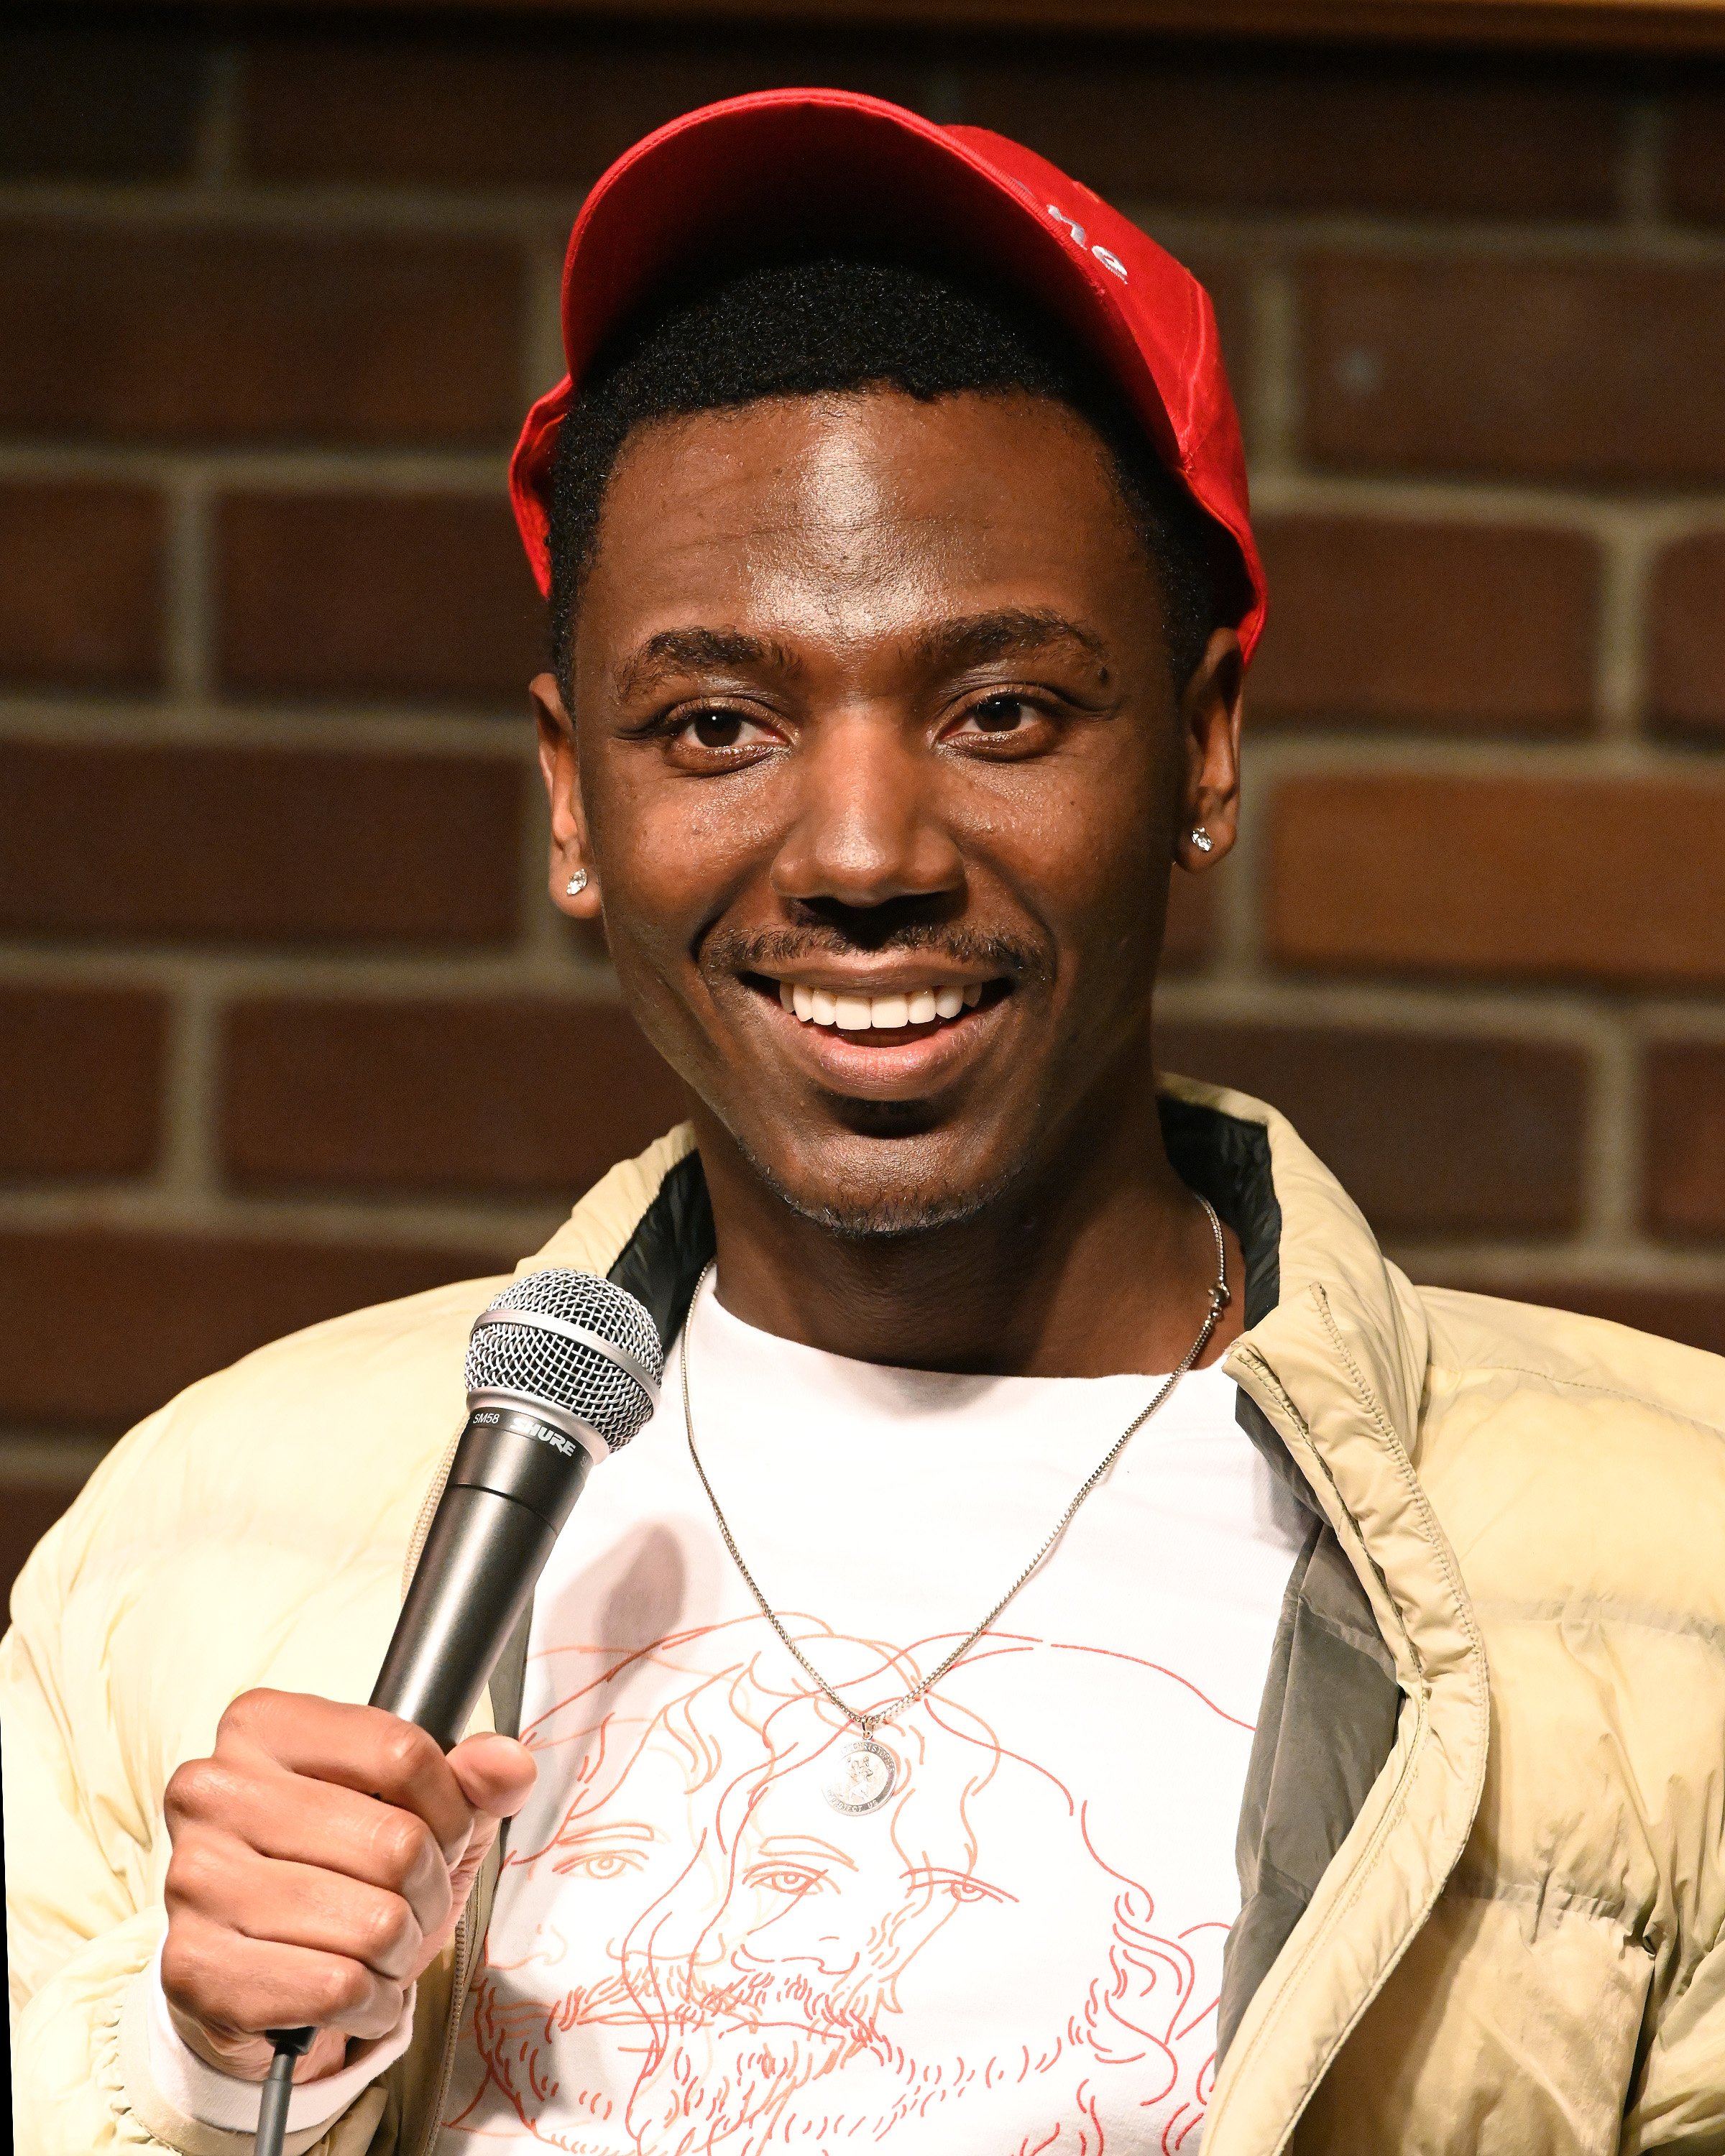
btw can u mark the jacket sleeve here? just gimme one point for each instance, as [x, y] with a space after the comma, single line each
[85, 1853]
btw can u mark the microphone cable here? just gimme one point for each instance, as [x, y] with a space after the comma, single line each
[290, 2045]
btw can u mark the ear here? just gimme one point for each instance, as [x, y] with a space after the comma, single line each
[1210, 716]
[571, 856]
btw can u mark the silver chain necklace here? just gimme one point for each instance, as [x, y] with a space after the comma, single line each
[866, 1772]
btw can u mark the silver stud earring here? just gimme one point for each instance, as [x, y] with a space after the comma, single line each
[576, 884]
[1202, 840]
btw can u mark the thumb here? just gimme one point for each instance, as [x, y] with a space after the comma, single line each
[497, 1776]
[496, 1773]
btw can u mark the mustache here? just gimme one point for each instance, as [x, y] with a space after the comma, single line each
[673, 1998]
[739, 950]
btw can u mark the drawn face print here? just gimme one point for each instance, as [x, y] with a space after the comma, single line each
[700, 1955]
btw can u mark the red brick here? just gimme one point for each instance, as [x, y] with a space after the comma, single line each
[489, 1095]
[1695, 158]
[1568, 370]
[1233, 134]
[1611, 879]
[80, 1080]
[1428, 1134]
[1686, 637]
[171, 1308]
[1473, 628]
[133, 333]
[551, 111]
[392, 595]
[1685, 1143]
[1693, 1316]
[238, 845]
[80, 586]
[99, 103]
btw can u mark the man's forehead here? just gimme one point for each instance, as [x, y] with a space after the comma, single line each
[947, 645]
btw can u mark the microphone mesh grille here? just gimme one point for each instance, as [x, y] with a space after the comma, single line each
[567, 1374]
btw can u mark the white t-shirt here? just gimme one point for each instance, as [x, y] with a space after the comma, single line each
[1019, 1949]
[692, 1949]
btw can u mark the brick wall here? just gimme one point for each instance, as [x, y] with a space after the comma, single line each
[270, 851]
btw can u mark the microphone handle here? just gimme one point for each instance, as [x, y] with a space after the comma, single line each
[476, 1574]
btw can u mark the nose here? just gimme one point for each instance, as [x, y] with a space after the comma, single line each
[867, 829]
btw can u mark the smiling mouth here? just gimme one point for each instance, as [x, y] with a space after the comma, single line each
[899, 1015]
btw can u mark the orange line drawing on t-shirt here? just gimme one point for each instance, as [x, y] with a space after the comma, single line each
[727, 1966]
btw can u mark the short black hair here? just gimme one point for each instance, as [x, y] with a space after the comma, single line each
[817, 324]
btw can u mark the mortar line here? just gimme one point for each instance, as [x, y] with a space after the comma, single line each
[189, 1168]
[215, 144]
[1612, 1147]
[1642, 165]
[50, 1459]
[355, 1218]
[188, 609]
[524, 215]
[1272, 416]
[542, 365]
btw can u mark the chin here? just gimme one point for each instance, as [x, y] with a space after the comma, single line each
[869, 1188]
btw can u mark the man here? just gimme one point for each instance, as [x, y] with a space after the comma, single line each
[1065, 1541]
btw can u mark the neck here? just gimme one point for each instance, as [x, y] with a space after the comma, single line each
[1096, 1259]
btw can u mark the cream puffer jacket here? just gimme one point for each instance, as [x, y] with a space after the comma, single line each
[1483, 1852]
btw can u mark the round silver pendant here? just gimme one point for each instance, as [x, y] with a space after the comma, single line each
[862, 1778]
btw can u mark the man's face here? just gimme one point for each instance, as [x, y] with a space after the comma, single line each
[872, 704]
[700, 1955]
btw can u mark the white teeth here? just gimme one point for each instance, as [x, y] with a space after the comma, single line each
[853, 1013]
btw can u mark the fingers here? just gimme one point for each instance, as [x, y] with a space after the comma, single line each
[231, 1887]
[235, 1987]
[356, 1747]
[248, 2057]
[321, 1859]
[218, 1812]
[495, 1773]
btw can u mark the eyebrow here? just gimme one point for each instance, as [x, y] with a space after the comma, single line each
[688, 650]
[607, 1830]
[1004, 632]
[804, 1846]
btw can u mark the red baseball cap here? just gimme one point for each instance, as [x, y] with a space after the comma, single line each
[782, 166]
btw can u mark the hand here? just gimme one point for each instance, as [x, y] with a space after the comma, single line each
[321, 1859]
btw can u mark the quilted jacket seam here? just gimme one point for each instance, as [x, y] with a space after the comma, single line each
[1650, 1401]
[1428, 1520]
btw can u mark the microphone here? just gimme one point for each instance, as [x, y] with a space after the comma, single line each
[562, 1369]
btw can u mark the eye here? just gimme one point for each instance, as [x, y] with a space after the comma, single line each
[600, 1864]
[1003, 715]
[959, 1887]
[791, 1879]
[717, 730]
[1006, 723]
